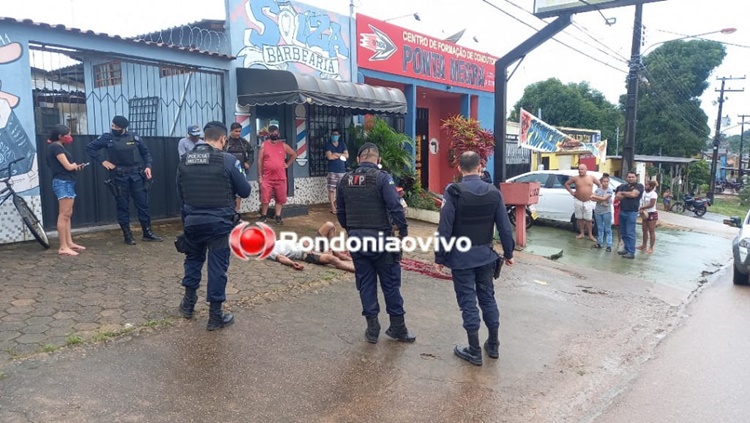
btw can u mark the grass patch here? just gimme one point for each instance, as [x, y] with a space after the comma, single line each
[103, 336]
[3, 375]
[729, 206]
[50, 348]
[73, 340]
[12, 352]
[158, 322]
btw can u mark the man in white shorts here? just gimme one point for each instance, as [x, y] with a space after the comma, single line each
[582, 205]
[286, 252]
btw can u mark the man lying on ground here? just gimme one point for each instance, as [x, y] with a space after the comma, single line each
[285, 252]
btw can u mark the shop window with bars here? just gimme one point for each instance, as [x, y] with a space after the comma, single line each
[107, 74]
[322, 120]
[143, 115]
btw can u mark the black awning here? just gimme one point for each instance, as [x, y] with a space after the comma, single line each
[258, 87]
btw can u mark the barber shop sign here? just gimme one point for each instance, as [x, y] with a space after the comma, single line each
[284, 37]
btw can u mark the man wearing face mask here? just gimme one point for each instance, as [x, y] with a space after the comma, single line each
[368, 207]
[208, 179]
[337, 154]
[129, 163]
[274, 158]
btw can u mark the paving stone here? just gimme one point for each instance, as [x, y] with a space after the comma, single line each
[87, 326]
[23, 303]
[31, 338]
[9, 335]
[35, 329]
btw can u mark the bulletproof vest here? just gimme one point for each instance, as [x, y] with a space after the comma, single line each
[124, 151]
[237, 149]
[365, 208]
[205, 184]
[475, 214]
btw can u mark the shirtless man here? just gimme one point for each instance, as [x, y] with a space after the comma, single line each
[584, 207]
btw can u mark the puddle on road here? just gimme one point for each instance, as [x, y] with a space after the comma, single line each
[679, 258]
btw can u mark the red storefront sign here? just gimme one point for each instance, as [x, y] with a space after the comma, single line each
[388, 48]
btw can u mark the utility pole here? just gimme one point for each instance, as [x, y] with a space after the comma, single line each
[631, 107]
[717, 136]
[742, 136]
[617, 142]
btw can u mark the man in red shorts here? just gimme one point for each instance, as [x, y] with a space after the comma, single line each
[272, 166]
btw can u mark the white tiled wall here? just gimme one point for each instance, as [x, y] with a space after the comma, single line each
[12, 228]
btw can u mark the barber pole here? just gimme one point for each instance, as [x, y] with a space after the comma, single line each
[301, 124]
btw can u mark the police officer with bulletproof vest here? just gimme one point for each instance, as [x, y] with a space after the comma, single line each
[129, 163]
[368, 206]
[207, 181]
[473, 208]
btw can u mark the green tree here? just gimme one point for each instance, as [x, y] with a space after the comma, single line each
[698, 173]
[734, 142]
[395, 148]
[672, 78]
[572, 105]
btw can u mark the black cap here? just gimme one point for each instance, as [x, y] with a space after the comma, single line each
[120, 121]
[367, 146]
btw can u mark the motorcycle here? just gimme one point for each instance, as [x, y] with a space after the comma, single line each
[693, 204]
[531, 215]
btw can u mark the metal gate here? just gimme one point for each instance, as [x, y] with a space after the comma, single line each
[84, 90]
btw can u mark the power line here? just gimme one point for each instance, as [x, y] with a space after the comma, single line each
[555, 39]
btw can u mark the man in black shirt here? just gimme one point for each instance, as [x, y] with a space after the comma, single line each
[630, 201]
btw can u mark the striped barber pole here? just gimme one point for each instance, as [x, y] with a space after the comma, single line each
[301, 142]
[246, 128]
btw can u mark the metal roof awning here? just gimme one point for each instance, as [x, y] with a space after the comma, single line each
[258, 87]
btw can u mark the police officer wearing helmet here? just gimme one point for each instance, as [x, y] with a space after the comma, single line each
[129, 163]
[207, 181]
[368, 206]
[473, 208]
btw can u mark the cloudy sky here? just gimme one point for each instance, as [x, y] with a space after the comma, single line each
[498, 25]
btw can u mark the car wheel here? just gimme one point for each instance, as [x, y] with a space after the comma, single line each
[739, 278]
[574, 227]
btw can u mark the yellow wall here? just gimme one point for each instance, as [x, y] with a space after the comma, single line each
[611, 166]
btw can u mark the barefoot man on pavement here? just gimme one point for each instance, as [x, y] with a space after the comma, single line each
[584, 207]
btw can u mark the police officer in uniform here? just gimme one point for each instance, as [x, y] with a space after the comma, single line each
[207, 181]
[129, 163]
[472, 209]
[368, 206]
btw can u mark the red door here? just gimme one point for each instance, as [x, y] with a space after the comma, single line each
[589, 160]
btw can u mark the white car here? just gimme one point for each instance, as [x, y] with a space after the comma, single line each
[555, 202]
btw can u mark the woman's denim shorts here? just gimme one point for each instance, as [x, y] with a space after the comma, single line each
[64, 188]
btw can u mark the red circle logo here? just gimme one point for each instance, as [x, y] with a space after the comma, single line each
[246, 241]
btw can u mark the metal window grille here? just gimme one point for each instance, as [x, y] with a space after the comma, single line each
[170, 71]
[107, 74]
[323, 119]
[143, 115]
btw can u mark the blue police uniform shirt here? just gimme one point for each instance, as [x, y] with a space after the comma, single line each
[392, 205]
[478, 255]
[195, 216]
[106, 140]
[338, 165]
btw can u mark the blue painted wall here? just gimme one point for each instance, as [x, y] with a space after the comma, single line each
[183, 99]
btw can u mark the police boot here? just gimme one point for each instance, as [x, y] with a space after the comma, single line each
[217, 319]
[187, 306]
[398, 330]
[373, 330]
[149, 235]
[471, 353]
[127, 235]
[492, 344]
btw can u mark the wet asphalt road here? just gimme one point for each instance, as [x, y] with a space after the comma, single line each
[701, 373]
[679, 258]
